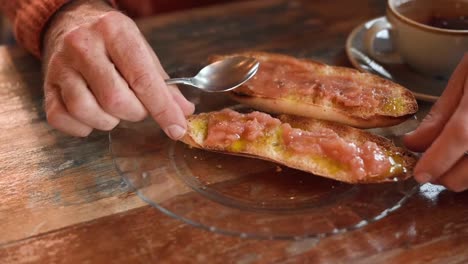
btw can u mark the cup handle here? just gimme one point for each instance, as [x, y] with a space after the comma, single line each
[391, 56]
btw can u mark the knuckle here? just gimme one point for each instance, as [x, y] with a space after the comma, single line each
[112, 17]
[110, 22]
[63, 78]
[432, 117]
[77, 41]
[73, 37]
[162, 109]
[119, 105]
[140, 116]
[112, 101]
[78, 107]
[142, 83]
[160, 112]
[54, 118]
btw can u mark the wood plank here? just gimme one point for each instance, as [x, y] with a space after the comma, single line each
[315, 30]
[48, 180]
[429, 229]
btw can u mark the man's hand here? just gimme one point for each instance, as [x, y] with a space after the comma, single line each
[443, 136]
[99, 70]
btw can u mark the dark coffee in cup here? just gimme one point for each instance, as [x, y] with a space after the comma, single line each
[454, 23]
[443, 14]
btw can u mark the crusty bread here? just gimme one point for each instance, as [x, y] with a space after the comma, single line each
[394, 102]
[272, 148]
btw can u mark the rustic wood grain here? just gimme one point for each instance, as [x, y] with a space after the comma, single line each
[62, 201]
[431, 228]
[48, 180]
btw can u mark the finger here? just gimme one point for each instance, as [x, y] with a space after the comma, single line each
[59, 118]
[136, 65]
[109, 88]
[434, 122]
[118, 99]
[187, 107]
[447, 148]
[457, 178]
[82, 104]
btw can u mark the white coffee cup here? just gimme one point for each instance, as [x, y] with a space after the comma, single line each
[418, 40]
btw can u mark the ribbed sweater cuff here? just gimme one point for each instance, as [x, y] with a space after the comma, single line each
[31, 20]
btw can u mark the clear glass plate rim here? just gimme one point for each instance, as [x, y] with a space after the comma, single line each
[252, 235]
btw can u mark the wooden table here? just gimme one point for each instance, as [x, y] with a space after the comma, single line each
[61, 199]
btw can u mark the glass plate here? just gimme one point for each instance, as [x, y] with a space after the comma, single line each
[243, 196]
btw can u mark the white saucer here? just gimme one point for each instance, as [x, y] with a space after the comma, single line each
[423, 87]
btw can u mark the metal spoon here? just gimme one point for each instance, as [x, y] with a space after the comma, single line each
[221, 76]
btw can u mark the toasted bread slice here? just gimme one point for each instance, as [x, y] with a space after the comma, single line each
[347, 163]
[288, 85]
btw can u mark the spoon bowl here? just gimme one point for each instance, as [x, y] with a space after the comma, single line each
[221, 76]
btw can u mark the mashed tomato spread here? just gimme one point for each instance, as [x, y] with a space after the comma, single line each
[362, 160]
[280, 77]
[227, 126]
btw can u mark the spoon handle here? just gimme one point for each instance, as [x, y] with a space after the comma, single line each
[187, 81]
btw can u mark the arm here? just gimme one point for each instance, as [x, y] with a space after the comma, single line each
[28, 18]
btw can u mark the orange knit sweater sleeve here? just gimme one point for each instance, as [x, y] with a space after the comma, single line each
[28, 19]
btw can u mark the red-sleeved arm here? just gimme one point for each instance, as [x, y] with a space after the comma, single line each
[28, 18]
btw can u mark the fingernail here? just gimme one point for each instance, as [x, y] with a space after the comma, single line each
[175, 131]
[423, 177]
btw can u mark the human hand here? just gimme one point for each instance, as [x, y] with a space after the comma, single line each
[443, 136]
[99, 70]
